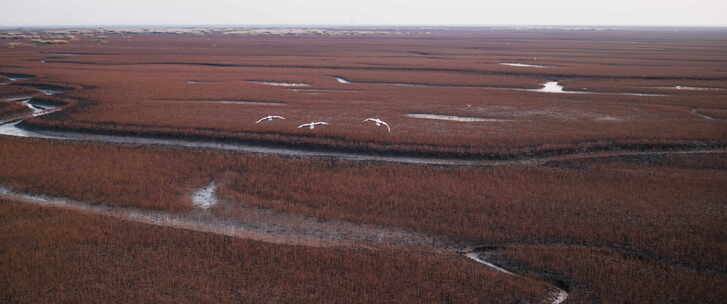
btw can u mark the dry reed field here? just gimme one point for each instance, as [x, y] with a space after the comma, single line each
[120, 188]
[93, 259]
[187, 86]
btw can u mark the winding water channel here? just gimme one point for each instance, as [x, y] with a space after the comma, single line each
[269, 226]
[13, 127]
[276, 227]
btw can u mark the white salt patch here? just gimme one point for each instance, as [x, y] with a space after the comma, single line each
[455, 118]
[342, 80]
[522, 65]
[554, 87]
[204, 197]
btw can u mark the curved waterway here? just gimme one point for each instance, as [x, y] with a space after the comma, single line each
[269, 226]
[47, 89]
[14, 128]
[250, 222]
[38, 107]
[17, 76]
[272, 227]
[280, 84]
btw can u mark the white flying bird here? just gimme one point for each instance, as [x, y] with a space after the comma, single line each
[312, 125]
[378, 122]
[269, 117]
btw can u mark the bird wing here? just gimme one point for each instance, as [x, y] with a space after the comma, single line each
[321, 123]
[387, 125]
[261, 119]
[277, 116]
[303, 125]
[368, 119]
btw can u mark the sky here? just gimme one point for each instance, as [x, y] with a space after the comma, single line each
[366, 12]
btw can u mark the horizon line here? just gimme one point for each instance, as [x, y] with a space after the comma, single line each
[363, 25]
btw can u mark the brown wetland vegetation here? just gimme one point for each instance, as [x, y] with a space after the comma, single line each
[619, 195]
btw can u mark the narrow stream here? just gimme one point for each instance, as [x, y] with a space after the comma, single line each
[521, 65]
[12, 128]
[266, 225]
[454, 117]
[702, 115]
[280, 84]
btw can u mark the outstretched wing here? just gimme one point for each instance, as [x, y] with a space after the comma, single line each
[277, 116]
[262, 119]
[303, 125]
[387, 126]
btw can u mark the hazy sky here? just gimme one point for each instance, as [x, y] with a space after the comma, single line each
[453, 12]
